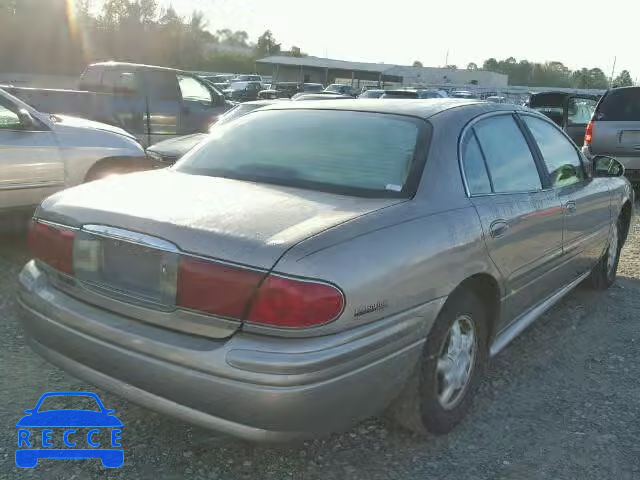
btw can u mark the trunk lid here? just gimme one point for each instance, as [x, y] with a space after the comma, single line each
[134, 230]
[236, 221]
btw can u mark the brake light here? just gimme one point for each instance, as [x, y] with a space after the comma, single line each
[215, 288]
[292, 303]
[588, 134]
[52, 245]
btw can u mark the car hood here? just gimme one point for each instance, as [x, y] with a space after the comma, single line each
[176, 147]
[69, 418]
[232, 220]
[76, 122]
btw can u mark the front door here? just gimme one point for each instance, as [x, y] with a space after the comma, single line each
[578, 111]
[521, 220]
[31, 167]
[585, 201]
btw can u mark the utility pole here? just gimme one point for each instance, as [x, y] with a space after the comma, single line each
[446, 58]
[612, 72]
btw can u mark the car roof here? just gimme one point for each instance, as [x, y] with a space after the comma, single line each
[418, 108]
[138, 66]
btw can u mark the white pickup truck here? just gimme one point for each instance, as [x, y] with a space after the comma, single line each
[41, 154]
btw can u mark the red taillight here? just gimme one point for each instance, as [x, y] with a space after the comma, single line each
[287, 302]
[588, 134]
[225, 290]
[215, 288]
[52, 245]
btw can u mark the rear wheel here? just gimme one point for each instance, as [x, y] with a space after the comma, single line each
[454, 359]
[604, 273]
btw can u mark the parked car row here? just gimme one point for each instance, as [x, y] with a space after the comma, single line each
[308, 264]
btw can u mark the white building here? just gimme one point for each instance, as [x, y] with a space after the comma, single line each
[326, 71]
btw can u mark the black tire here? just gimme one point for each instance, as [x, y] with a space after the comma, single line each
[419, 408]
[604, 273]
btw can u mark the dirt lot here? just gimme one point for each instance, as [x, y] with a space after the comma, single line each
[562, 402]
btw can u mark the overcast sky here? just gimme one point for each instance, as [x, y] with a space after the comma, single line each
[577, 33]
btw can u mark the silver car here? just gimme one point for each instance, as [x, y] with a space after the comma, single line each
[41, 154]
[321, 262]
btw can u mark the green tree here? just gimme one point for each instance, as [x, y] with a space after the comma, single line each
[417, 63]
[623, 79]
[472, 66]
[451, 67]
[267, 45]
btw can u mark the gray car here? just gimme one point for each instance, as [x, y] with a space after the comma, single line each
[615, 130]
[322, 262]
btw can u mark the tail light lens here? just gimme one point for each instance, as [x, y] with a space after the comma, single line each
[215, 288]
[292, 303]
[52, 245]
[228, 291]
[588, 134]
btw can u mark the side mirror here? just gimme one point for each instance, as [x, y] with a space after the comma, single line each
[26, 120]
[604, 166]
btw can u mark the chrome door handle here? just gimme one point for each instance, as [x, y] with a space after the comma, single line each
[498, 228]
[570, 207]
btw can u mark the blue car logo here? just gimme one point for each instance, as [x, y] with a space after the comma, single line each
[86, 433]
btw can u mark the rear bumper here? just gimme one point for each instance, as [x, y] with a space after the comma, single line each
[255, 387]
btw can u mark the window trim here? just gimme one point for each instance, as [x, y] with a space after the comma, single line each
[537, 152]
[470, 127]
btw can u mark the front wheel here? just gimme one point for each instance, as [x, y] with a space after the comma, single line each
[453, 362]
[604, 273]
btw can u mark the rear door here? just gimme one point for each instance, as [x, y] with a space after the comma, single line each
[163, 105]
[521, 218]
[578, 112]
[31, 167]
[616, 128]
[585, 201]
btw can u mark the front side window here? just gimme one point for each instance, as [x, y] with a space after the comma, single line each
[192, 89]
[559, 155]
[9, 120]
[353, 153]
[509, 159]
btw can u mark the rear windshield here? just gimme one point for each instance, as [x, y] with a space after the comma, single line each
[354, 153]
[620, 105]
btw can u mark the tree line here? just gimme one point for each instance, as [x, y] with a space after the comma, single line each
[48, 37]
[552, 74]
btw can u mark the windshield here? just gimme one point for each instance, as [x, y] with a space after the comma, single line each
[344, 151]
[238, 85]
[236, 112]
[372, 94]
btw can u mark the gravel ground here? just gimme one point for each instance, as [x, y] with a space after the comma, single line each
[561, 402]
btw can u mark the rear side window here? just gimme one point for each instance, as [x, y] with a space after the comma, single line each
[507, 154]
[119, 81]
[620, 105]
[163, 85]
[475, 170]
